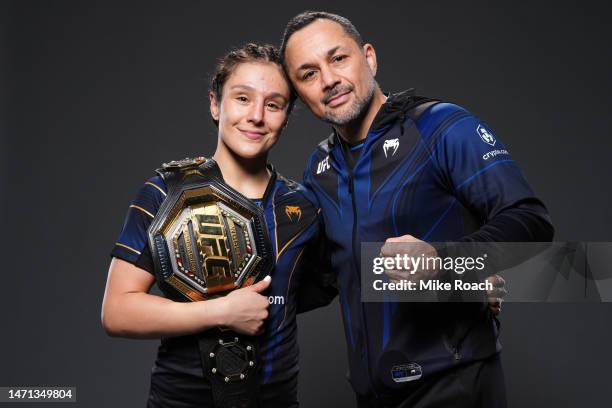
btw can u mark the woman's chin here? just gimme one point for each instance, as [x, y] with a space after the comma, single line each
[251, 154]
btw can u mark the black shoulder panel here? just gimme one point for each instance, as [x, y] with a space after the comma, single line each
[326, 144]
[293, 214]
[390, 151]
[325, 176]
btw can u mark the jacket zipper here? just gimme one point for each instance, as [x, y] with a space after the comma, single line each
[351, 189]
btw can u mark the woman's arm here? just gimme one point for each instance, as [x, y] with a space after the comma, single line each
[128, 310]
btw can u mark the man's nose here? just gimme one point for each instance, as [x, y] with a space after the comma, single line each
[329, 78]
[256, 113]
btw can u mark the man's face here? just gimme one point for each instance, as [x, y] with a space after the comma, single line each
[332, 74]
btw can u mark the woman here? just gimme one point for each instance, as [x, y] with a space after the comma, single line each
[250, 100]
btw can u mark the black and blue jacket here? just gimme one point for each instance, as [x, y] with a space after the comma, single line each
[294, 226]
[435, 171]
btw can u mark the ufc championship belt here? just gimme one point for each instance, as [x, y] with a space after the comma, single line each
[206, 241]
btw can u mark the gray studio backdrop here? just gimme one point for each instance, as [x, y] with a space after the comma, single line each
[95, 95]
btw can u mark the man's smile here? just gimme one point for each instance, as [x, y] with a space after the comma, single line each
[339, 99]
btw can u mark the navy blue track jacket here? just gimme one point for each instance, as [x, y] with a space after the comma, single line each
[439, 175]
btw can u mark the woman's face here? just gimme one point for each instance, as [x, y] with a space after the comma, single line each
[253, 108]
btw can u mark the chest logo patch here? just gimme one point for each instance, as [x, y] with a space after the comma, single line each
[293, 211]
[389, 145]
[406, 372]
[323, 165]
[485, 135]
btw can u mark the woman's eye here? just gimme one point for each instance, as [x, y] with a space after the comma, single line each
[273, 106]
[242, 99]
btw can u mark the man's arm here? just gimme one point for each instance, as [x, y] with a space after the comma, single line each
[485, 179]
[319, 286]
[479, 171]
[476, 168]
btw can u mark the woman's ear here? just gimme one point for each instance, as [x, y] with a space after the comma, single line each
[214, 106]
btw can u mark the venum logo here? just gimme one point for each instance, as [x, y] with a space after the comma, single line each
[390, 144]
[323, 165]
[293, 210]
[485, 135]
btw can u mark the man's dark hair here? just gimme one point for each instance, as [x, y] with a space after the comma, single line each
[308, 17]
[250, 52]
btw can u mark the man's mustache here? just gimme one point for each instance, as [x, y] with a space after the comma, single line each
[336, 90]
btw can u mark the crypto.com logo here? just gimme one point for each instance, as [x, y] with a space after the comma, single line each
[485, 135]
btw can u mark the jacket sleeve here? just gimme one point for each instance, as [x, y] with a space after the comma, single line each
[132, 244]
[319, 285]
[482, 175]
[479, 171]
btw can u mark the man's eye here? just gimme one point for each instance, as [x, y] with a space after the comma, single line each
[242, 99]
[308, 75]
[339, 58]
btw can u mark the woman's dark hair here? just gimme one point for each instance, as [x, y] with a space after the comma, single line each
[250, 52]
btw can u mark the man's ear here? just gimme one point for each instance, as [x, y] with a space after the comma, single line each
[370, 56]
[214, 106]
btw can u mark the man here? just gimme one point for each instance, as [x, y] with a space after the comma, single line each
[403, 168]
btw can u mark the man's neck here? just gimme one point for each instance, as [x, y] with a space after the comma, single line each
[356, 131]
[249, 177]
